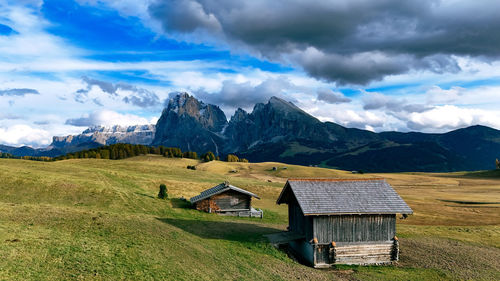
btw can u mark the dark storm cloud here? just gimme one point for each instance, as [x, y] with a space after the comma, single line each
[139, 97]
[18, 92]
[245, 95]
[374, 101]
[332, 97]
[345, 41]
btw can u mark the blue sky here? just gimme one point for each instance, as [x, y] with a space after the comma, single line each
[105, 62]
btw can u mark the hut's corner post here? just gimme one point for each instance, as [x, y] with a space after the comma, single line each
[395, 249]
[333, 253]
[315, 249]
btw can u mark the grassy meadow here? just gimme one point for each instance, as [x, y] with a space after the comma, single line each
[93, 219]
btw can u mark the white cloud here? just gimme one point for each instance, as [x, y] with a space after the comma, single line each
[24, 135]
[449, 117]
[107, 118]
[31, 42]
[436, 95]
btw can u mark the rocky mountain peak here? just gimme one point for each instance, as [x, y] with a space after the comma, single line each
[119, 129]
[239, 115]
[190, 124]
[183, 103]
[101, 135]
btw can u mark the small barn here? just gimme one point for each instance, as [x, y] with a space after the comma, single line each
[226, 199]
[345, 221]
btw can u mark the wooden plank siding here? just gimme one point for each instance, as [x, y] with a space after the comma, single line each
[299, 223]
[232, 200]
[226, 201]
[354, 228]
[378, 253]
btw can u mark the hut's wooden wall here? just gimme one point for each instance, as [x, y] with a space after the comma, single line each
[226, 201]
[354, 228]
[232, 200]
[353, 253]
[376, 253]
[299, 223]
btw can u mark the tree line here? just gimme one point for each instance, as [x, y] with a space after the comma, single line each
[125, 150]
[33, 158]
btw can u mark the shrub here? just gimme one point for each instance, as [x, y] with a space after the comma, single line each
[209, 156]
[163, 192]
[190, 154]
[232, 158]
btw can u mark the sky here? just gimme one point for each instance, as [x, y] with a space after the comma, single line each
[430, 66]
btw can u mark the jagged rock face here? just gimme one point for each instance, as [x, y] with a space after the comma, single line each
[276, 121]
[99, 135]
[191, 125]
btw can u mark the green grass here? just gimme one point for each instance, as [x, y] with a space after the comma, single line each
[94, 219]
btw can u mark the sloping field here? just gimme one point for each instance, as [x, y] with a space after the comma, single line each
[92, 219]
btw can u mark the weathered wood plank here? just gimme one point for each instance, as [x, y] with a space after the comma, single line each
[365, 260]
[354, 228]
[376, 246]
[367, 254]
[381, 250]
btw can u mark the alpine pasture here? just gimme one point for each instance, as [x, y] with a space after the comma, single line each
[94, 219]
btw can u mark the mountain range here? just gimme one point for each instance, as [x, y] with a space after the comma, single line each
[280, 131]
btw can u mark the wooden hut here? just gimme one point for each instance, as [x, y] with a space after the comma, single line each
[347, 221]
[226, 199]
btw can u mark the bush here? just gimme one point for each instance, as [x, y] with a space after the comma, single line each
[190, 154]
[232, 158]
[209, 156]
[163, 192]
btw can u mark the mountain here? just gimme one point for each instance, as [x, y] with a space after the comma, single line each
[191, 125]
[100, 135]
[29, 151]
[280, 131]
[90, 138]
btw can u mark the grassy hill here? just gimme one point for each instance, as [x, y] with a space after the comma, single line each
[92, 219]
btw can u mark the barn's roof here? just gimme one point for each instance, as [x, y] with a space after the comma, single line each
[223, 187]
[344, 196]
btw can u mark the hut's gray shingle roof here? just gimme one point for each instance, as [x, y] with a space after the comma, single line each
[219, 189]
[320, 196]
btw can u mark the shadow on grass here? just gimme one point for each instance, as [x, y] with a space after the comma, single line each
[468, 202]
[145, 195]
[233, 231]
[179, 203]
[486, 174]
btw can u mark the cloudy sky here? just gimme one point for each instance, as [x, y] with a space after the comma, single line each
[430, 66]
